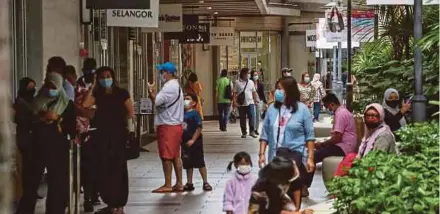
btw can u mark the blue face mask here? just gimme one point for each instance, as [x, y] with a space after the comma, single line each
[279, 95]
[106, 83]
[53, 93]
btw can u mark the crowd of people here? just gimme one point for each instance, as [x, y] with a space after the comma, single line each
[95, 112]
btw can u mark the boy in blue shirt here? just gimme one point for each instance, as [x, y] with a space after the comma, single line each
[192, 144]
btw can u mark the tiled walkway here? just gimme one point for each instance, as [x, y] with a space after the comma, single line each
[146, 174]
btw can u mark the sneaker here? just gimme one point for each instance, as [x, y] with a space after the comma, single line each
[253, 135]
[243, 136]
[257, 133]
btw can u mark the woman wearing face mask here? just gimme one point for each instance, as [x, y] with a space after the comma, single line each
[113, 120]
[317, 97]
[55, 124]
[261, 98]
[307, 91]
[394, 114]
[288, 132]
[24, 119]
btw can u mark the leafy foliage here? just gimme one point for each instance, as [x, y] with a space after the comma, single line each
[390, 183]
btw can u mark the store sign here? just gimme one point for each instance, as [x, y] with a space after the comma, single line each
[134, 17]
[336, 25]
[193, 31]
[170, 19]
[323, 43]
[310, 38]
[119, 4]
[362, 27]
[222, 36]
[400, 2]
[251, 40]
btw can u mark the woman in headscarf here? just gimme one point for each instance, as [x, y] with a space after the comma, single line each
[23, 118]
[114, 121]
[319, 94]
[194, 87]
[307, 90]
[394, 114]
[55, 124]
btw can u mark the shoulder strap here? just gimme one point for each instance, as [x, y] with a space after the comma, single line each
[245, 86]
[177, 99]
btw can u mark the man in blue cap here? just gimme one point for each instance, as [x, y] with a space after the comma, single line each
[168, 121]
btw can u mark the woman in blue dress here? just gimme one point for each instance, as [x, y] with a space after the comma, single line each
[288, 132]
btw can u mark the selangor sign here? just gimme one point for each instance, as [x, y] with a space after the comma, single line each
[222, 36]
[134, 17]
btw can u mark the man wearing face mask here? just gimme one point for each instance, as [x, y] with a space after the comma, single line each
[168, 121]
[343, 136]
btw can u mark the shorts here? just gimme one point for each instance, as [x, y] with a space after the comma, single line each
[169, 138]
[193, 157]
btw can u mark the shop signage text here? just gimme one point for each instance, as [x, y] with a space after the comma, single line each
[222, 36]
[170, 19]
[251, 40]
[193, 31]
[134, 17]
[310, 38]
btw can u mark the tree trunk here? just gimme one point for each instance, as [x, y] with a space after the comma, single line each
[5, 133]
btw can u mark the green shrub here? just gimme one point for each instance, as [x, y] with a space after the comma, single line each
[394, 184]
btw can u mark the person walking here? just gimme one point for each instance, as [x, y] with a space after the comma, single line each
[307, 91]
[319, 94]
[261, 99]
[223, 94]
[245, 97]
[288, 132]
[193, 86]
[113, 120]
[168, 121]
[55, 125]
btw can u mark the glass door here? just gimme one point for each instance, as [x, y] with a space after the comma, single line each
[249, 60]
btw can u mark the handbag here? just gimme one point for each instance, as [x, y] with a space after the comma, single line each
[242, 96]
[132, 147]
[228, 91]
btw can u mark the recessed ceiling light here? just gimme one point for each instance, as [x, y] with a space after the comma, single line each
[201, 1]
[209, 8]
[215, 13]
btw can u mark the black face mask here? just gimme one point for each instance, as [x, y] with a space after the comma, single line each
[372, 125]
[393, 103]
[29, 93]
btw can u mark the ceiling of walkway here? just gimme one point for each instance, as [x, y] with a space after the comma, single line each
[217, 7]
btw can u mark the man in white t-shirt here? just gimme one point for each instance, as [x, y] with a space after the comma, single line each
[168, 121]
[246, 106]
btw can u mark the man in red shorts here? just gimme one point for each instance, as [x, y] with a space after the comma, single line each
[168, 121]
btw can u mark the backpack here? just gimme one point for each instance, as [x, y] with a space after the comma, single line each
[228, 91]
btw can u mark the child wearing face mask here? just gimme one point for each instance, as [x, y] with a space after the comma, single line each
[239, 188]
[192, 144]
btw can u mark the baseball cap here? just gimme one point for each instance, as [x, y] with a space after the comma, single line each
[167, 66]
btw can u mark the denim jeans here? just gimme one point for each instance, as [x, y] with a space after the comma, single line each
[247, 112]
[223, 112]
[316, 110]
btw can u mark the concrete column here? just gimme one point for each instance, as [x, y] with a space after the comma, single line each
[285, 44]
[61, 30]
[215, 74]
[34, 37]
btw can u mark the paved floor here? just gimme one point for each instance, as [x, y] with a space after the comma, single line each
[146, 174]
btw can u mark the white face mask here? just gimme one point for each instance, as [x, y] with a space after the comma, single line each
[256, 77]
[288, 74]
[244, 169]
[187, 103]
[306, 79]
[162, 78]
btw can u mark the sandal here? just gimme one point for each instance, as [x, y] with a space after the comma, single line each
[177, 188]
[207, 187]
[163, 189]
[188, 187]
